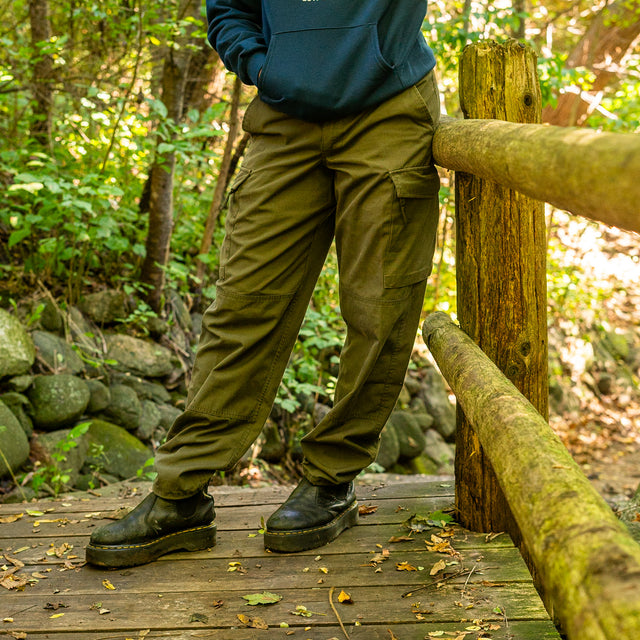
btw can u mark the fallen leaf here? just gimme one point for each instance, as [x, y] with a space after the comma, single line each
[8, 620]
[253, 623]
[392, 635]
[12, 518]
[438, 545]
[266, 597]
[199, 617]
[236, 566]
[107, 585]
[393, 539]
[35, 514]
[18, 635]
[366, 509]
[323, 570]
[54, 606]
[103, 611]
[56, 615]
[345, 598]
[217, 604]
[439, 566]
[301, 610]
[404, 566]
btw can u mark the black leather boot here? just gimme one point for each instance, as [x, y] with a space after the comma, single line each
[155, 527]
[311, 516]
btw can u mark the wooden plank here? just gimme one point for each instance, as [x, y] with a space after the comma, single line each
[360, 539]
[379, 605]
[514, 630]
[244, 518]
[278, 571]
[232, 496]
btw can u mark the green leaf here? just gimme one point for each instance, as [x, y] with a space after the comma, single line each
[266, 597]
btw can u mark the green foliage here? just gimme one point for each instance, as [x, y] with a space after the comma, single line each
[56, 475]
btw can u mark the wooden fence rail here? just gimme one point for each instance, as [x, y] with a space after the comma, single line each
[590, 173]
[585, 558]
[512, 473]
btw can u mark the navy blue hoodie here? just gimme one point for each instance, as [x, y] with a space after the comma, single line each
[322, 59]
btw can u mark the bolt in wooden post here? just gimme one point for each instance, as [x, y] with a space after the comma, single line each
[501, 270]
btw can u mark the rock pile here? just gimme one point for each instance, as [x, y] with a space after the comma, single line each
[60, 369]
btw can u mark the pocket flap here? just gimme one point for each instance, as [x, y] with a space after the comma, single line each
[416, 182]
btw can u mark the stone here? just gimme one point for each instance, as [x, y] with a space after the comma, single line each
[439, 451]
[57, 353]
[51, 318]
[272, 445]
[20, 383]
[389, 449]
[139, 357]
[105, 307]
[75, 456]
[58, 401]
[115, 451]
[20, 406]
[168, 415]
[150, 418]
[13, 443]
[100, 397]
[412, 385]
[411, 439]
[319, 412]
[436, 398]
[125, 408]
[17, 351]
[85, 335]
[145, 389]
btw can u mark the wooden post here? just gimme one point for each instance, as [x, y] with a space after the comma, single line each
[501, 270]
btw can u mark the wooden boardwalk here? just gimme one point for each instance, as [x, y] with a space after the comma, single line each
[482, 590]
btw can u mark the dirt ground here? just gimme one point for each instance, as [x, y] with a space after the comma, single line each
[599, 267]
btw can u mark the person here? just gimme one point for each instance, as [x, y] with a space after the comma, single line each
[341, 134]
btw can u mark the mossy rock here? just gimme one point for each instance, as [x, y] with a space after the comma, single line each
[100, 396]
[57, 353]
[17, 351]
[411, 439]
[20, 406]
[125, 408]
[122, 454]
[58, 401]
[389, 449]
[13, 442]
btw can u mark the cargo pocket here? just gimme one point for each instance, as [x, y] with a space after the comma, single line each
[413, 222]
[232, 218]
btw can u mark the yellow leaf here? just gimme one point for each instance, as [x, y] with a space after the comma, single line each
[57, 615]
[439, 566]
[12, 518]
[107, 585]
[345, 598]
[324, 570]
[404, 566]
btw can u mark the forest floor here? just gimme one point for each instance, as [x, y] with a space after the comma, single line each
[599, 269]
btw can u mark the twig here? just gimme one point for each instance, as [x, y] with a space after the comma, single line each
[466, 582]
[433, 584]
[346, 635]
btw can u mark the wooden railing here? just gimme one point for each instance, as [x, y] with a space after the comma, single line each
[512, 472]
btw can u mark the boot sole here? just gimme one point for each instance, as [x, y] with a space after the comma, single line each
[303, 539]
[131, 555]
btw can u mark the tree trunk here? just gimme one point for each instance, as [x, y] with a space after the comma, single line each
[500, 269]
[608, 39]
[174, 79]
[42, 77]
[221, 184]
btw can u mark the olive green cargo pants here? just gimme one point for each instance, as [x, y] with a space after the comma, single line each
[366, 179]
